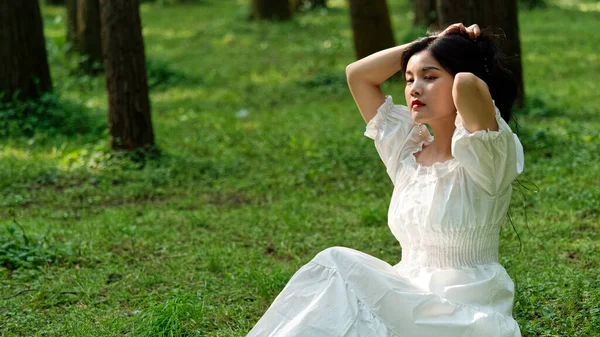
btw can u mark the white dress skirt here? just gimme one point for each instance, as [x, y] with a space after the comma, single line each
[447, 219]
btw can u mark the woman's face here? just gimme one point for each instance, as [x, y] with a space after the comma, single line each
[429, 83]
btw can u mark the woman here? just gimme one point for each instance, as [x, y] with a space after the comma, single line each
[451, 195]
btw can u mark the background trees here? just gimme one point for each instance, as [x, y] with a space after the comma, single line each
[129, 118]
[83, 32]
[371, 26]
[425, 12]
[270, 9]
[24, 72]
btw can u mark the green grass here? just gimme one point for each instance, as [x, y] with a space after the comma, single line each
[200, 242]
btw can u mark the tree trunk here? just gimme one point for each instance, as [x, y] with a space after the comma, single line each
[371, 26]
[83, 33]
[129, 118]
[24, 70]
[270, 10]
[425, 12]
[88, 35]
[71, 6]
[493, 14]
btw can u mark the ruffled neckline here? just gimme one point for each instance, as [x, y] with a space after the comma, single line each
[436, 169]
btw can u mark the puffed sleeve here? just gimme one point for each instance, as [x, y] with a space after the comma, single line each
[493, 159]
[391, 129]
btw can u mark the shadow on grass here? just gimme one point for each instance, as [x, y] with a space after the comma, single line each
[50, 114]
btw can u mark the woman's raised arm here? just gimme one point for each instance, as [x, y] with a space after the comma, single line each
[367, 74]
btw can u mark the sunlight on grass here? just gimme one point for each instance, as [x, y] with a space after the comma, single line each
[20, 154]
[583, 6]
[169, 33]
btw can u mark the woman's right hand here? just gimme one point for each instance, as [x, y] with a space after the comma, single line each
[473, 30]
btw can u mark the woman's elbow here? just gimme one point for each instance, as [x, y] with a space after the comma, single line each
[465, 80]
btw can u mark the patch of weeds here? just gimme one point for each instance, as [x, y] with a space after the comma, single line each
[48, 114]
[538, 140]
[162, 76]
[215, 264]
[177, 316]
[372, 217]
[99, 156]
[326, 81]
[535, 106]
[532, 4]
[18, 250]
[266, 287]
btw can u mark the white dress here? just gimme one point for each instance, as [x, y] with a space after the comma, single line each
[447, 218]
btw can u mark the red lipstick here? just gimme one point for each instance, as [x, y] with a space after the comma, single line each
[417, 104]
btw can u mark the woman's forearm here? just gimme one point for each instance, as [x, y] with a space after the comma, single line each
[377, 67]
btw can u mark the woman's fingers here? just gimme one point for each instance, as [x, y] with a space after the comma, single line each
[474, 30]
[452, 28]
[460, 27]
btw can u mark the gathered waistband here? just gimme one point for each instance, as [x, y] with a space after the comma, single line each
[452, 249]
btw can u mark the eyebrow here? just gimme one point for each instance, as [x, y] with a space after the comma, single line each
[425, 69]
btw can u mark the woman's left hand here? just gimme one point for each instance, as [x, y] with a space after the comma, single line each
[473, 30]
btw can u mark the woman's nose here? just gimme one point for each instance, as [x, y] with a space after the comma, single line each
[416, 89]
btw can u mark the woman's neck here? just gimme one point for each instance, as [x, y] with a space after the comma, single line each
[440, 149]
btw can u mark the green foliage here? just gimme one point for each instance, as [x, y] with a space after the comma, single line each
[373, 217]
[532, 4]
[176, 316]
[21, 251]
[49, 114]
[325, 82]
[162, 76]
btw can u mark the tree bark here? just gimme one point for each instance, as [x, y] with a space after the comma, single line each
[71, 6]
[83, 33]
[371, 26]
[270, 10]
[24, 71]
[425, 12]
[88, 35]
[489, 14]
[129, 118]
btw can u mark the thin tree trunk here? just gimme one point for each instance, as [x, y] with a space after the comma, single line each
[270, 10]
[88, 35]
[493, 14]
[129, 118]
[371, 26]
[24, 70]
[425, 12]
[71, 6]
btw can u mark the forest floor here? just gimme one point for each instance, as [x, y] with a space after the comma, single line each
[264, 165]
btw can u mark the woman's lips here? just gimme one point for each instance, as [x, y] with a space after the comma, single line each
[417, 104]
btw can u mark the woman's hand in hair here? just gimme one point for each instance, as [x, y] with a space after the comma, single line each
[473, 30]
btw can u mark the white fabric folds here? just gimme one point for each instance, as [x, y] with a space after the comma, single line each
[447, 219]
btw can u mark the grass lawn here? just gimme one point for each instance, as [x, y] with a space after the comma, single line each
[265, 165]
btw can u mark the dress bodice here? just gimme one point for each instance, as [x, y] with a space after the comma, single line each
[447, 215]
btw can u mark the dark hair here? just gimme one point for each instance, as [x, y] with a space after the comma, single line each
[458, 52]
